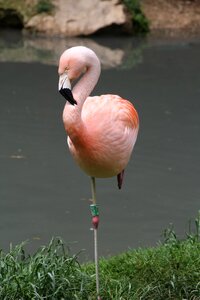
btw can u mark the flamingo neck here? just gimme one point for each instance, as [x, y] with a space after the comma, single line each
[85, 85]
[72, 114]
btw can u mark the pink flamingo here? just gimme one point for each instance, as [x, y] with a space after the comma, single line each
[102, 130]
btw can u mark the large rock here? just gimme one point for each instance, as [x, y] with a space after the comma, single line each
[82, 17]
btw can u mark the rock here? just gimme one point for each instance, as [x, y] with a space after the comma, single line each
[83, 17]
[43, 23]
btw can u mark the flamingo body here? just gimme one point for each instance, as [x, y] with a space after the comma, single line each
[105, 143]
[102, 130]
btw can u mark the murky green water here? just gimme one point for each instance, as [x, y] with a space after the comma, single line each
[44, 194]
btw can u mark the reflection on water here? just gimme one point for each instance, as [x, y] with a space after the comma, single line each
[112, 51]
[44, 194]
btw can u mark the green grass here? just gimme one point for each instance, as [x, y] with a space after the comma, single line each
[169, 271]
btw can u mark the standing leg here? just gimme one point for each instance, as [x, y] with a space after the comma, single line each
[95, 222]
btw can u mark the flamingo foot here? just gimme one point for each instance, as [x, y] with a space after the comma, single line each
[120, 178]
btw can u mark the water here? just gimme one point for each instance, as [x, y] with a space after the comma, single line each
[44, 194]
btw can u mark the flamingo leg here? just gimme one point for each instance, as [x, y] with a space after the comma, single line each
[95, 222]
[120, 178]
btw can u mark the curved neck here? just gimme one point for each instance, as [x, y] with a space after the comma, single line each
[87, 82]
[82, 89]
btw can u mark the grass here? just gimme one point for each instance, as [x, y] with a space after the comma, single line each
[169, 271]
[48, 274]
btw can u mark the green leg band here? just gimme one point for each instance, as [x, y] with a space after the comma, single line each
[94, 210]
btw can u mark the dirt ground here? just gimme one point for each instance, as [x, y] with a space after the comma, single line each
[173, 16]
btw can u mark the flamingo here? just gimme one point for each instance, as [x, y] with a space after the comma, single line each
[102, 130]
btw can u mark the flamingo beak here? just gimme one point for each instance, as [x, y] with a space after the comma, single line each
[64, 87]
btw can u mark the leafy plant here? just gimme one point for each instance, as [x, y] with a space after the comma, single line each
[140, 22]
[44, 6]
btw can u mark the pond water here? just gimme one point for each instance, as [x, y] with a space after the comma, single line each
[44, 194]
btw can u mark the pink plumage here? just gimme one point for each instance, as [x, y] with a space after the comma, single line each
[102, 130]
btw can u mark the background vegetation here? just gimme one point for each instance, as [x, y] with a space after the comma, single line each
[45, 6]
[140, 22]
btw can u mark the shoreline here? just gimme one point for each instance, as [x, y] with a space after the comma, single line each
[169, 18]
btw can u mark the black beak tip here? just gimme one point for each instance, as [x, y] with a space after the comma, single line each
[67, 94]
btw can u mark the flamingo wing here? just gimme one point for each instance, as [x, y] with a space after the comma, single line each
[111, 126]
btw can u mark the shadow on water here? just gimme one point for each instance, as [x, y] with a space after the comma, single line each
[44, 194]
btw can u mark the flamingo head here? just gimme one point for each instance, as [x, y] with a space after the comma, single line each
[73, 64]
